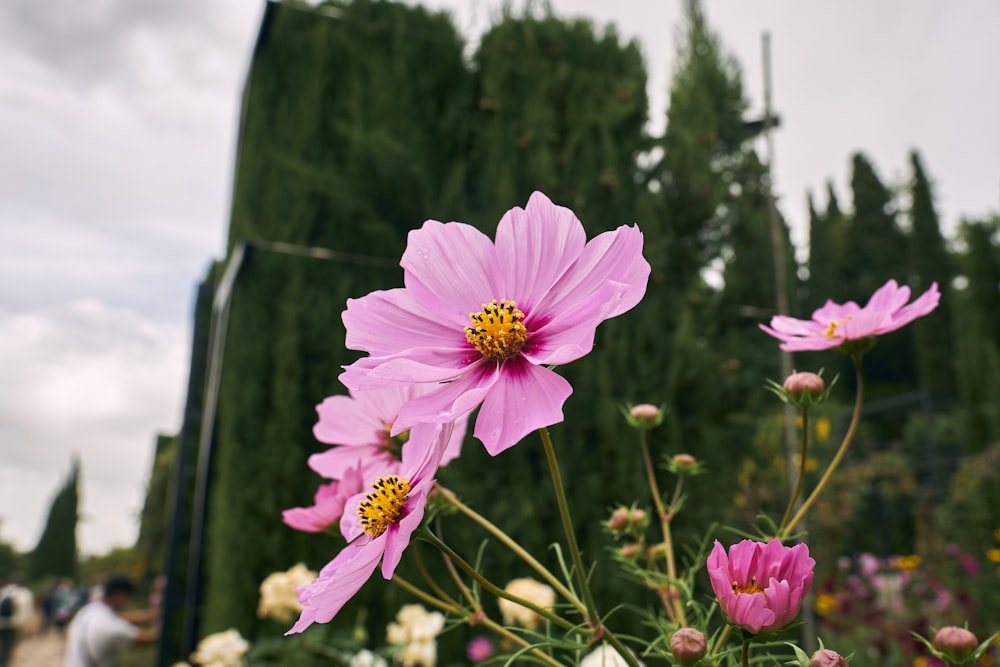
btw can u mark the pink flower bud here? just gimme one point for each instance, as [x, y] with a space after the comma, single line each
[804, 383]
[684, 460]
[645, 412]
[644, 416]
[629, 550]
[619, 519]
[688, 645]
[827, 658]
[957, 642]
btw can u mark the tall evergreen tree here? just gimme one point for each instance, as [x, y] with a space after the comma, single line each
[56, 551]
[976, 314]
[826, 241]
[929, 262]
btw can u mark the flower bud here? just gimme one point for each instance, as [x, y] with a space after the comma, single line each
[684, 464]
[644, 416]
[628, 520]
[630, 550]
[958, 643]
[688, 645]
[804, 383]
[827, 658]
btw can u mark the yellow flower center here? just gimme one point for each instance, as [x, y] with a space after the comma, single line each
[496, 330]
[831, 329]
[383, 505]
[749, 589]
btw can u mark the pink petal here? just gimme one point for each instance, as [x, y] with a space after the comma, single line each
[342, 421]
[526, 398]
[570, 335]
[780, 601]
[450, 401]
[391, 321]
[613, 256]
[340, 580]
[408, 367]
[718, 572]
[333, 462]
[398, 536]
[750, 611]
[326, 511]
[448, 269]
[923, 305]
[534, 248]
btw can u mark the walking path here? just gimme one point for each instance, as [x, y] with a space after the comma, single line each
[39, 650]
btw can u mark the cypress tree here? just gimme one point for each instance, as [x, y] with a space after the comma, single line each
[353, 132]
[826, 241]
[56, 551]
[929, 262]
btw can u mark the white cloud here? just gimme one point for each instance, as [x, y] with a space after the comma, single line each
[84, 379]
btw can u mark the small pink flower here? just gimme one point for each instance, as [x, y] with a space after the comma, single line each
[827, 658]
[760, 586]
[328, 504]
[480, 322]
[834, 324]
[360, 423]
[384, 516]
[479, 649]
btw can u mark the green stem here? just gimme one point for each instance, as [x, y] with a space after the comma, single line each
[493, 588]
[676, 609]
[802, 473]
[581, 574]
[848, 437]
[722, 638]
[507, 634]
[746, 653]
[513, 546]
[567, 522]
[429, 599]
[430, 581]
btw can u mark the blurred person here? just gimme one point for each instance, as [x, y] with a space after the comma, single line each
[17, 608]
[102, 628]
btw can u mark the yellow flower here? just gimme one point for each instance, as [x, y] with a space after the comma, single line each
[920, 661]
[822, 429]
[996, 534]
[825, 603]
[907, 563]
[993, 555]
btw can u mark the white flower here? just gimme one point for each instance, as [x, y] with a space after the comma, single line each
[604, 656]
[415, 628]
[222, 649]
[531, 590]
[367, 659]
[279, 597]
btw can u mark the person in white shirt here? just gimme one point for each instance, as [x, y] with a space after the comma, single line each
[17, 608]
[102, 628]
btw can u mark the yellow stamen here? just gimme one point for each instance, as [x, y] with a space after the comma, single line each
[831, 329]
[381, 507]
[750, 588]
[496, 330]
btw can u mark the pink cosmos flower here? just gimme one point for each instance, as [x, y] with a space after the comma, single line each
[480, 321]
[328, 504]
[835, 324]
[377, 524]
[360, 423]
[760, 586]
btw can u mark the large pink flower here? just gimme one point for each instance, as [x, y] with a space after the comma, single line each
[760, 586]
[360, 424]
[328, 504]
[480, 321]
[377, 524]
[835, 324]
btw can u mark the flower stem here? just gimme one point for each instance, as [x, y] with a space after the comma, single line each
[593, 620]
[665, 518]
[848, 437]
[493, 588]
[574, 548]
[802, 472]
[494, 530]
[476, 618]
[746, 653]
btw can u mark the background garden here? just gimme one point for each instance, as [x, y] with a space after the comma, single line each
[362, 119]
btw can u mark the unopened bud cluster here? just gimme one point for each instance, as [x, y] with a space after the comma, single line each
[627, 521]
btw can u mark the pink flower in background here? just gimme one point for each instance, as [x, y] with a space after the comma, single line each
[479, 321]
[834, 324]
[760, 586]
[328, 504]
[479, 649]
[360, 424]
[377, 523]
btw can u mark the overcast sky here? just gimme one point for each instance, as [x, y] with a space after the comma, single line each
[117, 125]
